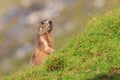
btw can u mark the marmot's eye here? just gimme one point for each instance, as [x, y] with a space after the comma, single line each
[42, 23]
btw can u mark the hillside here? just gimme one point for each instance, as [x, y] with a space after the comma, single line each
[94, 55]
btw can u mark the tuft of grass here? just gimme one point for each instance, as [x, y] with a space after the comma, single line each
[94, 55]
[55, 64]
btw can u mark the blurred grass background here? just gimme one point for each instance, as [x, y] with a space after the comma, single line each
[5, 5]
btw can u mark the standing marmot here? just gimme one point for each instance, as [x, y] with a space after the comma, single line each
[44, 43]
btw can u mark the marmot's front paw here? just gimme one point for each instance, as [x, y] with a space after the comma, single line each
[50, 51]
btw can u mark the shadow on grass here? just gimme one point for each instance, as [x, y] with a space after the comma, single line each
[106, 77]
[113, 74]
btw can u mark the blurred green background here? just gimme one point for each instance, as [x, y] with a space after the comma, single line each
[18, 31]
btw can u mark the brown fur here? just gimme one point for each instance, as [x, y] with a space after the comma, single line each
[43, 47]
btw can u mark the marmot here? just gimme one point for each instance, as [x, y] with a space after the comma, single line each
[44, 42]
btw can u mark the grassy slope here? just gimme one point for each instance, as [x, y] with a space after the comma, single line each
[94, 56]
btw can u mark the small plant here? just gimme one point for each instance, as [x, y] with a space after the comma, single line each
[55, 64]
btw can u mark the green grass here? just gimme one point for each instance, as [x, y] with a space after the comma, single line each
[94, 55]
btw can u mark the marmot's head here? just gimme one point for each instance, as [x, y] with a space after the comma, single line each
[44, 26]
